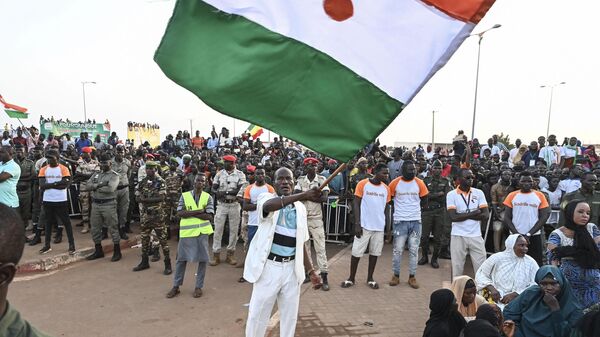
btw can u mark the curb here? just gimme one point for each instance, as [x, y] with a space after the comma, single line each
[274, 321]
[57, 261]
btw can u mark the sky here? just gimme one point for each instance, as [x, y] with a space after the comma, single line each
[49, 47]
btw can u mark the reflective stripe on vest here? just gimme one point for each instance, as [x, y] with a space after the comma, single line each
[193, 227]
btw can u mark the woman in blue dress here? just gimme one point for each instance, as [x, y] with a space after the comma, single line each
[575, 249]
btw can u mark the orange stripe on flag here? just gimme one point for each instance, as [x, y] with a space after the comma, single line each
[464, 10]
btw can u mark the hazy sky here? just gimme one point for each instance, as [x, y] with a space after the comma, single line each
[49, 47]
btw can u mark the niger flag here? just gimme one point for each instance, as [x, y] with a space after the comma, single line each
[331, 75]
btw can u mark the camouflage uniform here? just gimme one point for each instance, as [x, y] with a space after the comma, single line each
[24, 188]
[152, 216]
[434, 214]
[173, 182]
[228, 207]
[86, 168]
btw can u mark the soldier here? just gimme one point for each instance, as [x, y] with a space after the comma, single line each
[122, 166]
[315, 215]
[103, 187]
[173, 178]
[434, 213]
[151, 194]
[37, 155]
[86, 167]
[226, 186]
[24, 184]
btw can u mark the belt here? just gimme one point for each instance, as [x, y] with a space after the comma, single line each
[122, 187]
[228, 201]
[103, 201]
[279, 258]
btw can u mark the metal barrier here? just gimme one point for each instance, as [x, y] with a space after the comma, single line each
[73, 198]
[336, 219]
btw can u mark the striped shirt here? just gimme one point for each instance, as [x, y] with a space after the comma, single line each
[284, 241]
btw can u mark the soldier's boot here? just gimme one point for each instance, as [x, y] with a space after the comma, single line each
[37, 239]
[168, 269]
[143, 264]
[97, 254]
[424, 255]
[230, 258]
[216, 260]
[86, 228]
[58, 236]
[155, 254]
[445, 253]
[127, 228]
[116, 253]
[122, 234]
[434, 259]
[325, 286]
[104, 233]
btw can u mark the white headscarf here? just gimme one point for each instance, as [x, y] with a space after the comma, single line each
[506, 271]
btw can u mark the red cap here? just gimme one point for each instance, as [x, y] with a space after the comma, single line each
[149, 156]
[229, 157]
[251, 168]
[310, 160]
[86, 149]
[332, 162]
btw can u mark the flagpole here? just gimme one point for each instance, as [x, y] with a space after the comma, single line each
[335, 173]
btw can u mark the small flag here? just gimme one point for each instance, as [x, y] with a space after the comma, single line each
[14, 111]
[255, 131]
[329, 74]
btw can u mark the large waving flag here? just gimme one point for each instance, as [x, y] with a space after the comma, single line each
[330, 74]
[14, 111]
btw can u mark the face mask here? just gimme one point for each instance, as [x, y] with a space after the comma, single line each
[408, 176]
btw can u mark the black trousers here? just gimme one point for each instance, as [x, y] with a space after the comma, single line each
[53, 212]
[536, 249]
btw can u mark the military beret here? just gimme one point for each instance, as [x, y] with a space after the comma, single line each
[86, 149]
[173, 160]
[250, 168]
[151, 164]
[187, 155]
[149, 156]
[229, 157]
[332, 162]
[310, 160]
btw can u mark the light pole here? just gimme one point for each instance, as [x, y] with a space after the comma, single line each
[477, 74]
[83, 87]
[433, 129]
[551, 86]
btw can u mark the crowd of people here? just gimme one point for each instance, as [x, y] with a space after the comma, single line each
[534, 209]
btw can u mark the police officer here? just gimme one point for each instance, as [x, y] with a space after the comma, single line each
[103, 187]
[151, 194]
[86, 167]
[314, 212]
[122, 166]
[25, 183]
[433, 213]
[226, 185]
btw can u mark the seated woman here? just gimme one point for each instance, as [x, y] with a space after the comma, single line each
[444, 319]
[589, 324]
[575, 249]
[547, 309]
[465, 292]
[506, 274]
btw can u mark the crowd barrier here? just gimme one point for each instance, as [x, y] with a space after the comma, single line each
[336, 219]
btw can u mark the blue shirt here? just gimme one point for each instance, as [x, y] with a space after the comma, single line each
[8, 188]
[284, 241]
[81, 143]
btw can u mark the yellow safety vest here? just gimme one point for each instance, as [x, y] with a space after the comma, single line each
[193, 227]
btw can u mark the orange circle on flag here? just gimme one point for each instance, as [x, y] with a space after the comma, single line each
[339, 10]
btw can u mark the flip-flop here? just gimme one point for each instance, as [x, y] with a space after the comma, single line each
[373, 285]
[347, 284]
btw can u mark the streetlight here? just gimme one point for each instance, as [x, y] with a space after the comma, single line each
[83, 87]
[477, 74]
[551, 86]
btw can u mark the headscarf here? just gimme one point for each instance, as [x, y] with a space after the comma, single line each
[533, 316]
[490, 313]
[481, 328]
[584, 249]
[444, 320]
[458, 288]
[520, 153]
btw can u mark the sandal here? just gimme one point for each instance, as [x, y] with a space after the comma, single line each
[347, 284]
[373, 285]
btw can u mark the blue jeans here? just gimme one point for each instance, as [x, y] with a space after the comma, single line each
[403, 231]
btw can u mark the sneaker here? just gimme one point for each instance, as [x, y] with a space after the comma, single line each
[395, 281]
[71, 249]
[412, 282]
[85, 230]
[45, 250]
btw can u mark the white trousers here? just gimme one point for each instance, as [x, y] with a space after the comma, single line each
[277, 282]
[460, 246]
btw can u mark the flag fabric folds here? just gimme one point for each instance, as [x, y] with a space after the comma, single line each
[331, 75]
[14, 111]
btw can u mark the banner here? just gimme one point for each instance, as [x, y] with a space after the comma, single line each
[75, 128]
[138, 135]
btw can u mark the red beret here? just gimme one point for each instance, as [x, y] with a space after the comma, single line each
[251, 168]
[332, 162]
[229, 157]
[149, 156]
[310, 160]
[86, 149]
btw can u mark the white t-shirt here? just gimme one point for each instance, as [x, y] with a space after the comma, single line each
[567, 153]
[252, 192]
[407, 198]
[464, 203]
[372, 206]
[52, 175]
[525, 208]
[569, 185]
[550, 152]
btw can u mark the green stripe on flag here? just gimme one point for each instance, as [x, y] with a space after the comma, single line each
[243, 70]
[16, 114]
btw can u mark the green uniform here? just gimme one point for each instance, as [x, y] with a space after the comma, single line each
[24, 190]
[433, 213]
[152, 215]
[592, 199]
[123, 169]
[173, 181]
[13, 325]
[104, 205]
[86, 169]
